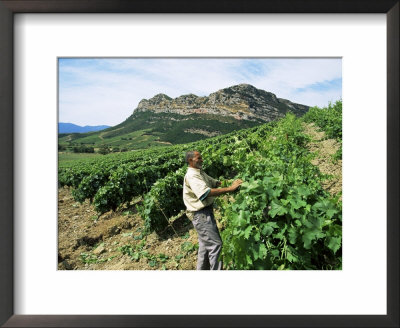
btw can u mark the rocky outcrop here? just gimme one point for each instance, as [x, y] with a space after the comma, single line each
[243, 102]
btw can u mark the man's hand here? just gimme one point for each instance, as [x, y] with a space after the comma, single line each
[235, 184]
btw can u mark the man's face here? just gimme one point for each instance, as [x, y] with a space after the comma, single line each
[197, 160]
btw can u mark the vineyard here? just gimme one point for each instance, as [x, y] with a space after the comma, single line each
[281, 218]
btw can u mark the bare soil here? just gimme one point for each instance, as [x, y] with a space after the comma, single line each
[324, 149]
[89, 242]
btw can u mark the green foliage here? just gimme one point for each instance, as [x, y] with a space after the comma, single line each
[89, 186]
[329, 119]
[144, 129]
[281, 218]
[80, 149]
[164, 200]
[124, 183]
[189, 247]
[338, 155]
[137, 252]
[104, 150]
[91, 258]
[134, 252]
[130, 174]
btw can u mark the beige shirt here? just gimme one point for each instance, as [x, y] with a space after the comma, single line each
[195, 185]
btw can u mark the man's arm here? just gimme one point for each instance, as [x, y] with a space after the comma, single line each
[220, 191]
[216, 183]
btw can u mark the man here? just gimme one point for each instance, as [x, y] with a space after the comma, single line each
[199, 191]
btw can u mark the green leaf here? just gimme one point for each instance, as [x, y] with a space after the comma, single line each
[247, 232]
[152, 263]
[292, 235]
[179, 257]
[277, 209]
[317, 222]
[291, 257]
[275, 192]
[334, 243]
[227, 161]
[275, 253]
[254, 186]
[307, 239]
[304, 191]
[310, 235]
[297, 203]
[268, 228]
[331, 212]
[262, 251]
[242, 218]
[326, 206]
[285, 201]
[249, 260]
[135, 256]
[255, 251]
[294, 214]
[281, 232]
[185, 236]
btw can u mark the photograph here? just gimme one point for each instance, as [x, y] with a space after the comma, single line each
[147, 142]
[199, 163]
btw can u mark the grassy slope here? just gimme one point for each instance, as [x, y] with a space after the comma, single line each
[64, 157]
[161, 129]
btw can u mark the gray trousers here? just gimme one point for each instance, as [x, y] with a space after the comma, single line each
[210, 243]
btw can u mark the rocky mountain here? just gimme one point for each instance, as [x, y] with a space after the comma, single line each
[242, 102]
[162, 120]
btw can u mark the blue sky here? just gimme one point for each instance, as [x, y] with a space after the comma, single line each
[105, 91]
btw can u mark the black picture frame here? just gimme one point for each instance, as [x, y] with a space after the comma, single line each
[10, 7]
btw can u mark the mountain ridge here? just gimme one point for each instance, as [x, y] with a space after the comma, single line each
[74, 128]
[242, 101]
[162, 120]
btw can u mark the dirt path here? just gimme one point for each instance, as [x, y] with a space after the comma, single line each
[324, 149]
[115, 241]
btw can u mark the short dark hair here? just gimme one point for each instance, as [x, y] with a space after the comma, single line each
[189, 155]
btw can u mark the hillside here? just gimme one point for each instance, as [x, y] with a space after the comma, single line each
[125, 211]
[162, 120]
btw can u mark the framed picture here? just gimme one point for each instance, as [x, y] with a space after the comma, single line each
[13, 232]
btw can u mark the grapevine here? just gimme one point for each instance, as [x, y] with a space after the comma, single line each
[281, 217]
